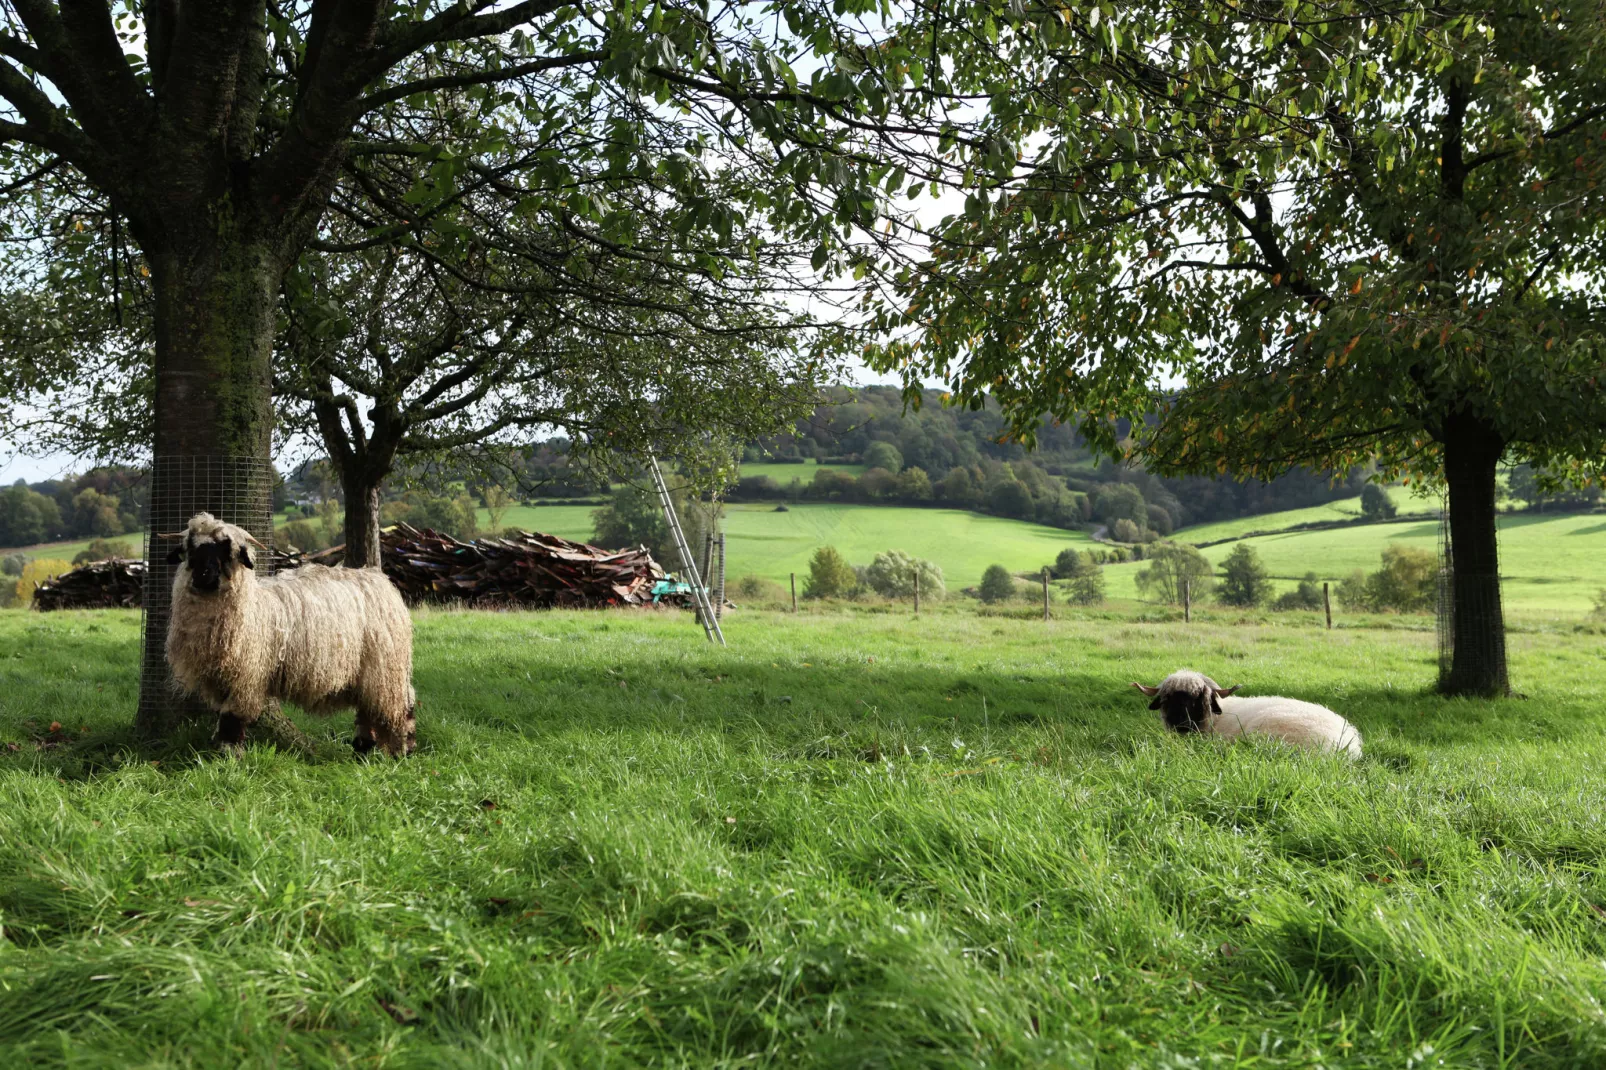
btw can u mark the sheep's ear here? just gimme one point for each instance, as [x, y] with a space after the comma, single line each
[1223, 692]
[245, 557]
[1146, 689]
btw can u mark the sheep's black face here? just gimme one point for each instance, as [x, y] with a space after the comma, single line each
[210, 562]
[1184, 711]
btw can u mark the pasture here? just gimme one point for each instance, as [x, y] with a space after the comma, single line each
[848, 839]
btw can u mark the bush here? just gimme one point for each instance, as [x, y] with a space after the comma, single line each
[13, 564]
[883, 455]
[1011, 498]
[830, 575]
[1599, 612]
[38, 571]
[102, 550]
[299, 535]
[633, 518]
[1375, 502]
[497, 502]
[1124, 530]
[892, 574]
[758, 589]
[1408, 582]
[1066, 562]
[914, 485]
[1170, 564]
[1087, 581]
[1244, 580]
[1308, 595]
[1159, 520]
[997, 585]
[1120, 501]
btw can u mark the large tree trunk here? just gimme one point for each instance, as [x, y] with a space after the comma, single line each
[1472, 450]
[213, 418]
[362, 519]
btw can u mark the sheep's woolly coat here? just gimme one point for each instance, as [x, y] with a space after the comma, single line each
[1192, 702]
[323, 638]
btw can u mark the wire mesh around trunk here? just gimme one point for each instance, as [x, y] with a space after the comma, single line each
[1446, 609]
[236, 490]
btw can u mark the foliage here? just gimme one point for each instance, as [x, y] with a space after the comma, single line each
[997, 585]
[1244, 580]
[892, 575]
[1307, 595]
[1086, 586]
[914, 485]
[1066, 562]
[12, 564]
[1171, 565]
[830, 575]
[1599, 609]
[300, 535]
[634, 517]
[758, 589]
[102, 550]
[1408, 582]
[497, 500]
[1376, 503]
[883, 455]
[27, 517]
[1124, 530]
[1118, 501]
[35, 572]
[1011, 498]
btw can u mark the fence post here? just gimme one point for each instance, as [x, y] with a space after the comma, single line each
[794, 590]
[917, 590]
[719, 603]
[1327, 604]
[1187, 601]
[1045, 592]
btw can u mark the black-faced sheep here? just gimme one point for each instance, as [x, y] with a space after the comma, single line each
[1192, 702]
[323, 638]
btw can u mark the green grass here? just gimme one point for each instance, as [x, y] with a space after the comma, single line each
[1342, 509]
[785, 473]
[842, 841]
[1550, 564]
[763, 542]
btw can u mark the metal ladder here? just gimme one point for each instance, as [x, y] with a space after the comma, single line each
[699, 593]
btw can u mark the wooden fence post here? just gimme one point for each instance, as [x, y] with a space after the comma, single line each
[1045, 592]
[719, 605]
[1187, 601]
[794, 590]
[1327, 604]
[917, 591]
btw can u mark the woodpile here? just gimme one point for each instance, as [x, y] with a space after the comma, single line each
[110, 584]
[530, 570]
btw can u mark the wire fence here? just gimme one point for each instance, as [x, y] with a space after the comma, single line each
[234, 489]
[1487, 608]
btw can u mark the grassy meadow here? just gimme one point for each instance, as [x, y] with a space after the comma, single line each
[847, 839]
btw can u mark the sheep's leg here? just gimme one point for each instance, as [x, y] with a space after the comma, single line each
[230, 734]
[363, 741]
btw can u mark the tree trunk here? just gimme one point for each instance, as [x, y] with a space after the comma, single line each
[213, 419]
[362, 520]
[1472, 450]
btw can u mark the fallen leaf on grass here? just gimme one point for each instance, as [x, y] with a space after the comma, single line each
[1378, 878]
[487, 804]
[402, 1015]
[1227, 950]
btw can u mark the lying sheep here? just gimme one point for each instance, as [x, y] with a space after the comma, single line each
[323, 638]
[1192, 702]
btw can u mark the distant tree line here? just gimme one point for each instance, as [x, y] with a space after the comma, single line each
[101, 502]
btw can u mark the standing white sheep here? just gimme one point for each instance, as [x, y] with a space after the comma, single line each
[1192, 702]
[323, 638]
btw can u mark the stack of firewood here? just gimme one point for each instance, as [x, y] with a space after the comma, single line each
[529, 570]
[110, 584]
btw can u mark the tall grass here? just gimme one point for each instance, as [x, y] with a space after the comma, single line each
[846, 840]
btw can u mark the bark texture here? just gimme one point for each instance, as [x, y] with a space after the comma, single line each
[1472, 450]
